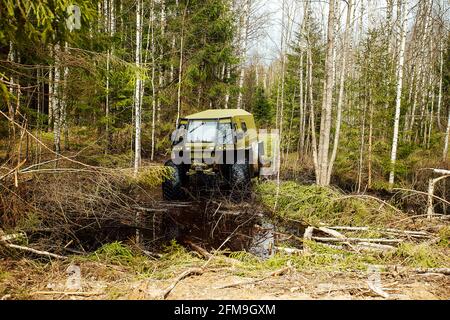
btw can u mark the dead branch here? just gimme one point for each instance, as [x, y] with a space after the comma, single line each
[425, 194]
[15, 169]
[332, 232]
[278, 272]
[44, 253]
[383, 240]
[337, 234]
[289, 250]
[374, 246]
[372, 198]
[416, 234]
[72, 293]
[400, 269]
[445, 271]
[185, 274]
[205, 254]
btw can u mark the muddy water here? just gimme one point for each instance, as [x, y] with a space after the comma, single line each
[263, 241]
[220, 224]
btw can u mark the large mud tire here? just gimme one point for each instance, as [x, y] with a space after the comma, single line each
[172, 187]
[240, 181]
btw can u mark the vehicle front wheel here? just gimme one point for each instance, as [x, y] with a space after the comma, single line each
[240, 181]
[172, 186]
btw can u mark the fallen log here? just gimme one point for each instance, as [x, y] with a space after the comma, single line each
[418, 234]
[383, 240]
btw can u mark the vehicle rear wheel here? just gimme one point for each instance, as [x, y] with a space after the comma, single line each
[172, 186]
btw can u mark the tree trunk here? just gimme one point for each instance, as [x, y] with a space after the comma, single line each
[243, 48]
[325, 123]
[401, 61]
[341, 89]
[446, 139]
[441, 65]
[153, 81]
[57, 103]
[138, 89]
[180, 67]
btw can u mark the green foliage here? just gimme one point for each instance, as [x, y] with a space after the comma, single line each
[262, 109]
[315, 204]
[444, 235]
[115, 253]
[421, 255]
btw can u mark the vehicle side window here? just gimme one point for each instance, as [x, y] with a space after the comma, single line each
[244, 126]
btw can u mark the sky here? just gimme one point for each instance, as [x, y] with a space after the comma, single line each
[268, 44]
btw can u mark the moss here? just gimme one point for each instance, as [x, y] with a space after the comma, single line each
[421, 255]
[444, 235]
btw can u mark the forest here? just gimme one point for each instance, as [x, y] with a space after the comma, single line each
[357, 90]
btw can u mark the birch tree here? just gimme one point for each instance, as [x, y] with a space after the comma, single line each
[341, 89]
[398, 100]
[327, 101]
[446, 139]
[243, 37]
[138, 89]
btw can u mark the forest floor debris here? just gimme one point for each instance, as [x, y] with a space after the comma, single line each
[318, 244]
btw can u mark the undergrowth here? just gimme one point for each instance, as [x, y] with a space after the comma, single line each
[314, 204]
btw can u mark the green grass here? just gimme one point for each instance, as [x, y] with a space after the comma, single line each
[314, 204]
[117, 253]
[420, 256]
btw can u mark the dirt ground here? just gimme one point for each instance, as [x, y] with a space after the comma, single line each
[28, 280]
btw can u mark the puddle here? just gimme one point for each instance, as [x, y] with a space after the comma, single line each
[263, 242]
[210, 223]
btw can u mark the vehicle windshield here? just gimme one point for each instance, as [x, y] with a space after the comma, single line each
[209, 131]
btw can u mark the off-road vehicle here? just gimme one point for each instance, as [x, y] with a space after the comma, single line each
[213, 148]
